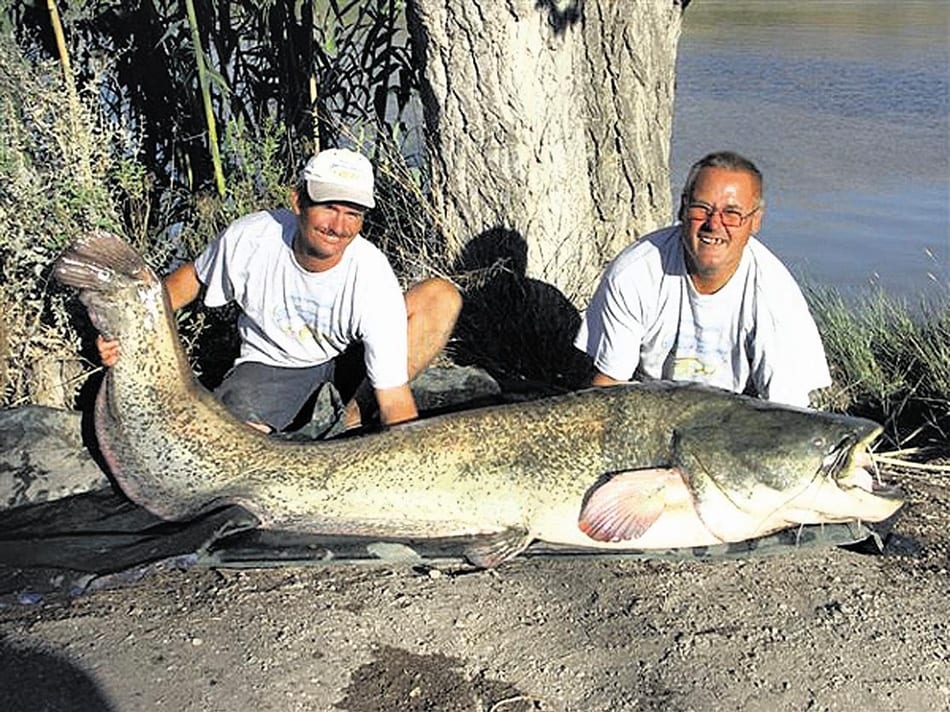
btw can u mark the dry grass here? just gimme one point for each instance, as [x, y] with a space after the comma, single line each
[930, 465]
[48, 167]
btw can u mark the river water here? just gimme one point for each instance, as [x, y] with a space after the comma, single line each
[844, 106]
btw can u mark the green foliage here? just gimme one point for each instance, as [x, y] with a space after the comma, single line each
[260, 58]
[55, 166]
[363, 64]
[886, 363]
[257, 179]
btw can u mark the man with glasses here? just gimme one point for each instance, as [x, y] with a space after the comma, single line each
[705, 301]
[308, 285]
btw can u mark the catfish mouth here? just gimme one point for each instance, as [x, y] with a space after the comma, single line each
[851, 466]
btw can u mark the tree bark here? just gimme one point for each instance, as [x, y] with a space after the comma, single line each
[550, 121]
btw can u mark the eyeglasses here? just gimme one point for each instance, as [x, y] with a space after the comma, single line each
[730, 217]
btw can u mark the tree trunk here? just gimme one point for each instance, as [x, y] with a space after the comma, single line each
[550, 125]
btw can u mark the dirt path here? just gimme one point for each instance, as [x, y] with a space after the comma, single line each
[814, 630]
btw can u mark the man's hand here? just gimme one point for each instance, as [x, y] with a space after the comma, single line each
[108, 351]
[396, 405]
[602, 379]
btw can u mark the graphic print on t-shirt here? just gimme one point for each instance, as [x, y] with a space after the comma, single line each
[304, 319]
[705, 341]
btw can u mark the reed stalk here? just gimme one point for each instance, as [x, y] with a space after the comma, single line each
[84, 170]
[205, 85]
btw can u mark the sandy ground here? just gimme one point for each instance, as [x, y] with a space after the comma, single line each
[825, 629]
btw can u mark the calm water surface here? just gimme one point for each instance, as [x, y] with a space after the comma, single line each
[844, 106]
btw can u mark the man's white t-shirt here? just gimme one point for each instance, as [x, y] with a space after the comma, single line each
[294, 318]
[647, 321]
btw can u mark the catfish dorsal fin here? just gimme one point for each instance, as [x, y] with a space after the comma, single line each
[626, 505]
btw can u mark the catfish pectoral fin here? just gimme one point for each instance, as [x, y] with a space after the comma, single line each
[628, 504]
[490, 550]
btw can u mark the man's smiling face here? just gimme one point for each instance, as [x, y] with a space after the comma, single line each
[713, 250]
[324, 231]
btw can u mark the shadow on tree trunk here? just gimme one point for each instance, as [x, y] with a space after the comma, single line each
[519, 329]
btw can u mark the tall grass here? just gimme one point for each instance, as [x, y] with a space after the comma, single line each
[299, 63]
[888, 364]
[65, 168]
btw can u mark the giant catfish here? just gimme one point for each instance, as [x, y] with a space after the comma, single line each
[648, 466]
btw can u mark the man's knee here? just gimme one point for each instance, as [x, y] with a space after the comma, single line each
[437, 298]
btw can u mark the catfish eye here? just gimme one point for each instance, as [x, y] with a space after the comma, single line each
[819, 443]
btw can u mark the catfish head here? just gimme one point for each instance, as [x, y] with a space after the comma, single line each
[754, 467]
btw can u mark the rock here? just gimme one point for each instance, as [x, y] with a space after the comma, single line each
[42, 457]
[445, 387]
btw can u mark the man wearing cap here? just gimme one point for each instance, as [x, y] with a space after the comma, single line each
[308, 285]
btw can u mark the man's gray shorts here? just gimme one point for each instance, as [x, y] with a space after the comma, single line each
[258, 393]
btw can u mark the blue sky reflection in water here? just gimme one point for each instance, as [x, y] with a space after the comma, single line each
[845, 106]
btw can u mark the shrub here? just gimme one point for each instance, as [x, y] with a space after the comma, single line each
[55, 162]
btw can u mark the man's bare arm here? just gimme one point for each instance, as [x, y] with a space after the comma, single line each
[182, 286]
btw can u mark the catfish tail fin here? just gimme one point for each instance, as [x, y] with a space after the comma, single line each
[103, 262]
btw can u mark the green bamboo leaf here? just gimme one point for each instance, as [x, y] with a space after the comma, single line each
[216, 78]
[206, 98]
[349, 7]
[174, 30]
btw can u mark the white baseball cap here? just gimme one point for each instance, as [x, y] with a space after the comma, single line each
[338, 175]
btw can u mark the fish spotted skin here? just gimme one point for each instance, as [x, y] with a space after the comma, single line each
[638, 466]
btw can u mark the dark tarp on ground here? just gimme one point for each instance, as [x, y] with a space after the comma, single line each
[99, 540]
